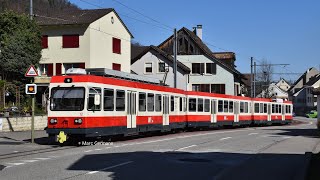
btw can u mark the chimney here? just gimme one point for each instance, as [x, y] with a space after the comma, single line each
[199, 31]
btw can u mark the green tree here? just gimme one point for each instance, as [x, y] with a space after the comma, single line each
[20, 45]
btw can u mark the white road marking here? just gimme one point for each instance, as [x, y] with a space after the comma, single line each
[88, 151]
[225, 138]
[253, 134]
[15, 164]
[186, 136]
[98, 149]
[286, 137]
[33, 160]
[42, 158]
[122, 164]
[15, 151]
[186, 147]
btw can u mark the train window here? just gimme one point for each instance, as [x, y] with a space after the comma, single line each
[280, 109]
[220, 106]
[142, 102]
[108, 100]
[185, 104]
[180, 104]
[246, 107]
[120, 100]
[242, 107]
[92, 92]
[256, 107]
[265, 108]
[207, 105]
[261, 108]
[273, 108]
[225, 106]
[172, 103]
[200, 105]
[150, 102]
[192, 105]
[158, 102]
[230, 106]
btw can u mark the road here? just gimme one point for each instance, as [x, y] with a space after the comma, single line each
[276, 152]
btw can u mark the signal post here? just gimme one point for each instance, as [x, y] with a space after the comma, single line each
[31, 89]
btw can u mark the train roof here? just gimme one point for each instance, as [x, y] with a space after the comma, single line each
[141, 85]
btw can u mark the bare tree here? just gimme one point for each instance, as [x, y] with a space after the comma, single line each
[264, 79]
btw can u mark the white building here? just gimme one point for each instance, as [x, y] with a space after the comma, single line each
[208, 73]
[95, 38]
[155, 63]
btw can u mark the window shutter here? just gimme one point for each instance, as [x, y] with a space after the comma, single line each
[44, 40]
[82, 65]
[58, 69]
[70, 41]
[50, 70]
[116, 66]
[116, 45]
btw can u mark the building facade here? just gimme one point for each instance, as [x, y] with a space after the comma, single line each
[155, 63]
[84, 39]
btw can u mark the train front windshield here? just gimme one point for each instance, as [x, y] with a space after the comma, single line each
[67, 99]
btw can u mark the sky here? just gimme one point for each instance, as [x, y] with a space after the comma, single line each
[279, 31]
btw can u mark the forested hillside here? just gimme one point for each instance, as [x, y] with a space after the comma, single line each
[43, 7]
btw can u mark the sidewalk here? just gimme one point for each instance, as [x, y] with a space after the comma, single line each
[17, 142]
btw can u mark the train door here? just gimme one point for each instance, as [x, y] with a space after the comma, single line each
[165, 117]
[283, 112]
[132, 110]
[236, 111]
[269, 112]
[213, 111]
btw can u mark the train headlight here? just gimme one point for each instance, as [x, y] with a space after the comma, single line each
[53, 121]
[78, 121]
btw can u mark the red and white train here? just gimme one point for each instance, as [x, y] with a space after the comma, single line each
[92, 106]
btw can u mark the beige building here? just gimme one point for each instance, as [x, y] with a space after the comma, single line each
[83, 39]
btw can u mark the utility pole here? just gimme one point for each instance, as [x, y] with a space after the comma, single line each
[33, 98]
[254, 79]
[31, 9]
[175, 50]
[251, 78]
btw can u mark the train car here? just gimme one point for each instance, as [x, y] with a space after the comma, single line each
[92, 105]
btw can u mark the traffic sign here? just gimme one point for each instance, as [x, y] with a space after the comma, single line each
[31, 89]
[32, 72]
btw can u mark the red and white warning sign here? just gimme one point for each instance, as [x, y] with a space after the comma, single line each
[32, 72]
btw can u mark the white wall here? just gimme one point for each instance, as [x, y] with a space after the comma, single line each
[56, 54]
[95, 44]
[221, 77]
[139, 67]
[23, 123]
[101, 33]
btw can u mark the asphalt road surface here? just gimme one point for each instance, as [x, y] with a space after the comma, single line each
[276, 152]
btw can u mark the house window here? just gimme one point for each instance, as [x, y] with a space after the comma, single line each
[116, 45]
[116, 66]
[161, 67]
[73, 65]
[148, 67]
[46, 69]
[211, 68]
[70, 41]
[44, 41]
[197, 68]
[58, 69]
[218, 88]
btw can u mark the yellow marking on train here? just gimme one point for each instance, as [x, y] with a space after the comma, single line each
[62, 137]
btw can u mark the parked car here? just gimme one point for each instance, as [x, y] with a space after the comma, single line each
[312, 114]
